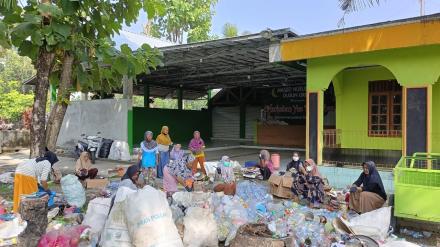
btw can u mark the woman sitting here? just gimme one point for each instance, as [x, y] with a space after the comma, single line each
[83, 168]
[178, 171]
[296, 165]
[371, 195]
[130, 178]
[265, 164]
[308, 184]
[224, 179]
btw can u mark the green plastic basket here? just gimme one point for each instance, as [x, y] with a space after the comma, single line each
[417, 187]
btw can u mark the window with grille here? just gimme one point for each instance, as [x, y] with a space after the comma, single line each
[385, 107]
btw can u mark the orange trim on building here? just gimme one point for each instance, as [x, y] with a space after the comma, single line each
[363, 40]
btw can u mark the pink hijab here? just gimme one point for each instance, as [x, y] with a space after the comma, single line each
[314, 171]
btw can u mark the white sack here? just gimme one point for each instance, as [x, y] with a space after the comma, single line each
[115, 232]
[149, 219]
[96, 215]
[200, 228]
[73, 191]
[374, 224]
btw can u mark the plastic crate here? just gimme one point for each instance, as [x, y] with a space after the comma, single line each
[417, 187]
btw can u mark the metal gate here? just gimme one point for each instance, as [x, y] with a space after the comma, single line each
[226, 122]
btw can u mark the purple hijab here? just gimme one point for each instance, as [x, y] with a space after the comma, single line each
[196, 144]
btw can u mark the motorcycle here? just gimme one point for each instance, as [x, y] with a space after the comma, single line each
[89, 144]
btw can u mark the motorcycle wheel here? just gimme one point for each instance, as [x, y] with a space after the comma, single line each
[93, 156]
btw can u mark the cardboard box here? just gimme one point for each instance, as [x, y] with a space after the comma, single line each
[96, 183]
[280, 186]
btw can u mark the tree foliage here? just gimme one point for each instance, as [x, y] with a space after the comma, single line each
[14, 67]
[183, 18]
[229, 30]
[77, 31]
[12, 102]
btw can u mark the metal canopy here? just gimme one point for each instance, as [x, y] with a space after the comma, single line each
[224, 63]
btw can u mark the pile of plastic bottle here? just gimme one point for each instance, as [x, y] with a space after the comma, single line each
[253, 204]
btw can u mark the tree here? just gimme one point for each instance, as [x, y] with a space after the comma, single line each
[183, 18]
[14, 67]
[230, 30]
[349, 6]
[12, 102]
[69, 42]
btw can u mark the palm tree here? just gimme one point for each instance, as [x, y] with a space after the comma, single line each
[230, 30]
[349, 6]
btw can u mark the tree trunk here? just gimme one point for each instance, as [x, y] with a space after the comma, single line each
[59, 109]
[38, 127]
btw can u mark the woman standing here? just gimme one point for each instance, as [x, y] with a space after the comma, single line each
[197, 145]
[31, 173]
[163, 143]
[177, 152]
[371, 195]
[84, 168]
[149, 155]
[178, 171]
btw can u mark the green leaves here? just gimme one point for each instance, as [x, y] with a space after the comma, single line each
[50, 10]
[28, 49]
[62, 29]
[69, 7]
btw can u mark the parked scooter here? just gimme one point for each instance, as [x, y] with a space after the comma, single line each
[89, 144]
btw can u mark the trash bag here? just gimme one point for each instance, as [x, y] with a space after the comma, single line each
[149, 219]
[104, 151]
[12, 228]
[96, 215]
[374, 224]
[200, 228]
[119, 151]
[115, 232]
[67, 237]
[73, 191]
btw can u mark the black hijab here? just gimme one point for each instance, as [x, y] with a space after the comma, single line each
[130, 172]
[372, 182]
[49, 156]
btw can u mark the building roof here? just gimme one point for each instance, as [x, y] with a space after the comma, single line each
[135, 40]
[222, 63]
[411, 32]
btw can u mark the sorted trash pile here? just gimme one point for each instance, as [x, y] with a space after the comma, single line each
[251, 217]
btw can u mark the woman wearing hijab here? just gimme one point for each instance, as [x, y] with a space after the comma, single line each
[308, 184]
[31, 173]
[163, 144]
[149, 154]
[83, 168]
[130, 178]
[265, 164]
[177, 152]
[367, 193]
[178, 171]
[224, 178]
[296, 165]
[196, 146]
[315, 184]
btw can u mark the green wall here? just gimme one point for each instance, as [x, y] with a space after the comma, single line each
[351, 89]
[410, 66]
[182, 124]
[436, 118]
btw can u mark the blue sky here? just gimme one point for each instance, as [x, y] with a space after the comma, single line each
[303, 16]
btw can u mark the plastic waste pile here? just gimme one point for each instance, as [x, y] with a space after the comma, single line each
[253, 204]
